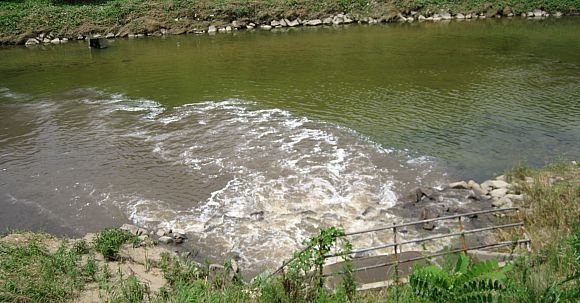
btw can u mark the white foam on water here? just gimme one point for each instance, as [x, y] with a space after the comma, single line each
[239, 177]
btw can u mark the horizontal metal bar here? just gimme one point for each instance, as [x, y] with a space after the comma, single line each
[434, 219]
[500, 244]
[465, 232]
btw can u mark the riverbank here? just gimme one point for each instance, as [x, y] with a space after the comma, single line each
[52, 21]
[126, 265]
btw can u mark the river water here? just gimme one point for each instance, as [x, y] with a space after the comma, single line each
[251, 141]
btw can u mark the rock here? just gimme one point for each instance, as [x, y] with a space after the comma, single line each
[503, 202]
[510, 15]
[347, 20]
[215, 267]
[337, 20]
[80, 37]
[500, 178]
[410, 19]
[31, 41]
[476, 188]
[266, 27]
[530, 14]
[370, 212]
[538, 13]
[55, 41]
[429, 226]
[474, 196]
[45, 40]
[130, 228]
[446, 16]
[64, 40]
[327, 21]
[558, 14]
[460, 16]
[459, 185]
[468, 16]
[179, 233]
[166, 240]
[164, 31]
[162, 232]
[234, 268]
[222, 29]
[274, 23]
[421, 18]
[416, 194]
[498, 193]
[236, 24]
[283, 23]
[515, 197]
[494, 184]
[257, 215]
[313, 22]
[211, 29]
[110, 36]
[143, 237]
[292, 23]
[249, 27]
[426, 213]
[401, 18]
[228, 28]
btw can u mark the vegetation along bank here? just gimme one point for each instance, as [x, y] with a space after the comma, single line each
[134, 265]
[58, 21]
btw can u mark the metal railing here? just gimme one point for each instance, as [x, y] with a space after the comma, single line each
[396, 245]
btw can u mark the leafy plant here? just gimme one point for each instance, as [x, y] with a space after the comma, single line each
[109, 241]
[467, 282]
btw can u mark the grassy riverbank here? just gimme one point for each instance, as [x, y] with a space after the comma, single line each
[115, 266]
[20, 20]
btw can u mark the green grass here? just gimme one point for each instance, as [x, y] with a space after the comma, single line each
[30, 273]
[109, 241]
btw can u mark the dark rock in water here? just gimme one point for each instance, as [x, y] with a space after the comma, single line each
[98, 43]
[416, 194]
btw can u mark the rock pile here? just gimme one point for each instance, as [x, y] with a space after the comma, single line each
[498, 192]
[328, 20]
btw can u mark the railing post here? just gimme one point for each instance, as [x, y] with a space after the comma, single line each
[463, 245]
[396, 257]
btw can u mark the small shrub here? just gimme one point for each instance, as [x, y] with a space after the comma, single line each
[109, 241]
[467, 282]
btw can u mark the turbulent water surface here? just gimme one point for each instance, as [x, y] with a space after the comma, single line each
[252, 141]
